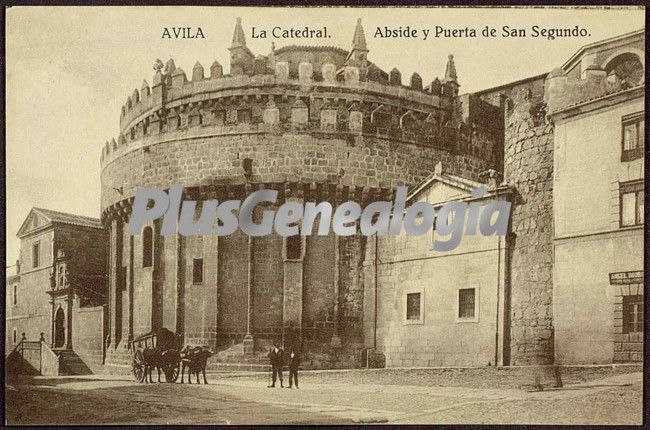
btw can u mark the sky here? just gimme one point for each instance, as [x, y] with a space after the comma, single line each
[70, 70]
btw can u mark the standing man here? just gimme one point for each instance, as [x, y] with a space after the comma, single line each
[276, 357]
[294, 362]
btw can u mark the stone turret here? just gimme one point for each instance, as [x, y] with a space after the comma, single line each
[450, 82]
[241, 58]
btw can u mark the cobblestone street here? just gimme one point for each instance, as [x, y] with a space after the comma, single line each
[324, 398]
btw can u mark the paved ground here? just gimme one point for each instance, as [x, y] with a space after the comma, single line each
[324, 398]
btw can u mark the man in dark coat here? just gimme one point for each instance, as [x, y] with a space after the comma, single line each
[276, 356]
[294, 363]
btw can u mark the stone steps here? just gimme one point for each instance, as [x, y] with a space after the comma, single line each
[119, 357]
[71, 364]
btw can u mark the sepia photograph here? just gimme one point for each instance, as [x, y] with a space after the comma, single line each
[324, 215]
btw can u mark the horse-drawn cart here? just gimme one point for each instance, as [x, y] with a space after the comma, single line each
[160, 349]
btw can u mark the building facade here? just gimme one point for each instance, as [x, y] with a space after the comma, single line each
[596, 102]
[565, 285]
[59, 290]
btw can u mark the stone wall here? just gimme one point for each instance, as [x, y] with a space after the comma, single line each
[32, 313]
[87, 334]
[209, 160]
[529, 168]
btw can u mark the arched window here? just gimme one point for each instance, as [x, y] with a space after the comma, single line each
[147, 247]
[625, 69]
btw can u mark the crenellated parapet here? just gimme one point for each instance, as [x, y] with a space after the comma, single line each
[319, 76]
[174, 90]
[334, 103]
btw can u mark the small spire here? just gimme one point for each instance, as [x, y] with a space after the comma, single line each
[450, 71]
[359, 39]
[238, 38]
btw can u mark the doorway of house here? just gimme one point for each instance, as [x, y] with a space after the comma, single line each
[59, 329]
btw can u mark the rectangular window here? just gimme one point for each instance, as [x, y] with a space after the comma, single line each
[413, 306]
[36, 254]
[294, 247]
[466, 303]
[633, 136]
[631, 202]
[147, 247]
[197, 271]
[632, 314]
[15, 294]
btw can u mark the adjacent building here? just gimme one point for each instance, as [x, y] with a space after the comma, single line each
[59, 291]
[596, 102]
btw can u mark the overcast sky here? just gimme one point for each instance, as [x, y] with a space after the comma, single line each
[70, 69]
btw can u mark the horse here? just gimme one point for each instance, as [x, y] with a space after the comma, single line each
[160, 359]
[195, 360]
[164, 355]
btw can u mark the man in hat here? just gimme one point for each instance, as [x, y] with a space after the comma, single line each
[294, 363]
[276, 357]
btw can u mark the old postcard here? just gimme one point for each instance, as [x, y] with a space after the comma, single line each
[324, 215]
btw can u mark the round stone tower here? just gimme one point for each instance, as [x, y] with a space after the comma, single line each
[315, 124]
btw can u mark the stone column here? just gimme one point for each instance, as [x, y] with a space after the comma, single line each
[180, 286]
[248, 339]
[292, 295]
[126, 293]
[68, 329]
[336, 339]
[158, 244]
[52, 324]
[112, 279]
[215, 307]
[119, 282]
[131, 285]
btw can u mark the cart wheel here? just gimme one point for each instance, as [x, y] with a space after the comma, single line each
[171, 372]
[138, 366]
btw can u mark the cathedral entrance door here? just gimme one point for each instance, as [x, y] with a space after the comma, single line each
[59, 329]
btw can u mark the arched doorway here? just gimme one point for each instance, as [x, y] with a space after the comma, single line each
[59, 328]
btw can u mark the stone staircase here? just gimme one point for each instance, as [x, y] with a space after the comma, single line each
[71, 364]
[118, 361]
[233, 358]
